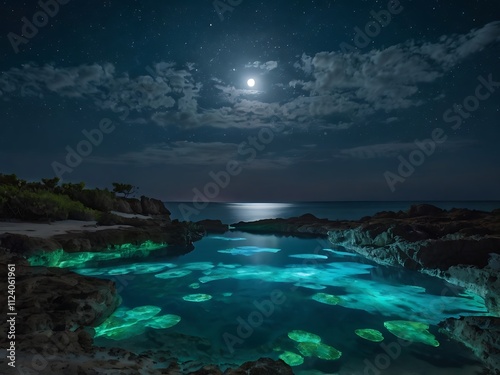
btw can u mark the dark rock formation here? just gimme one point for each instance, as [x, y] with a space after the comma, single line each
[460, 246]
[307, 224]
[480, 334]
[212, 226]
[264, 366]
[144, 206]
[179, 236]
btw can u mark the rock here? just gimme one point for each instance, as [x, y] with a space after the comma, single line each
[263, 366]
[121, 205]
[424, 210]
[479, 333]
[306, 225]
[213, 226]
[151, 206]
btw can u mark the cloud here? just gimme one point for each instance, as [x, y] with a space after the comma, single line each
[328, 87]
[270, 65]
[168, 88]
[390, 78]
[391, 150]
[175, 153]
[183, 153]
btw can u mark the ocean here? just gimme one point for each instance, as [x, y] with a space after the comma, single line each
[321, 308]
[230, 213]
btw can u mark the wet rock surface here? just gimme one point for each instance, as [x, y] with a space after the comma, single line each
[480, 334]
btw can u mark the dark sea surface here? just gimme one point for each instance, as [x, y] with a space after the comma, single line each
[231, 213]
[255, 292]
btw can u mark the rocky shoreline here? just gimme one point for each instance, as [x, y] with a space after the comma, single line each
[59, 308]
[460, 246]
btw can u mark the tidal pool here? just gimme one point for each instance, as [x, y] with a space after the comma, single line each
[316, 306]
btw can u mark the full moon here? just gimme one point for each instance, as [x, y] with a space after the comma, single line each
[251, 82]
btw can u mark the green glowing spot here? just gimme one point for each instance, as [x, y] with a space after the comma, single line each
[172, 274]
[163, 321]
[303, 336]
[60, 258]
[291, 359]
[142, 312]
[412, 331]
[194, 285]
[370, 334]
[328, 299]
[227, 294]
[197, 297]
[319, 350]
[308, 256]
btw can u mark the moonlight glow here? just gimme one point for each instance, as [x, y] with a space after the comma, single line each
[251, 82]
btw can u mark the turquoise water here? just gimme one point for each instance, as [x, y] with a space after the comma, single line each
[258, 288]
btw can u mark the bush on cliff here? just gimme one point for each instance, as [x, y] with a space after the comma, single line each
[22, 204]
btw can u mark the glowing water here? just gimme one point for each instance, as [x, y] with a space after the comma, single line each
[275, 297]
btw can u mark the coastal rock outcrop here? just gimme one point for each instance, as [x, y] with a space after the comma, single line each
[460, 246]
[478, 333]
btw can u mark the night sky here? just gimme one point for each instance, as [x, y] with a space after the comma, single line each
[353, 100]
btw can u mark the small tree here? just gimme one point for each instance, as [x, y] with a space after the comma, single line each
[51, 183]
[125, 189]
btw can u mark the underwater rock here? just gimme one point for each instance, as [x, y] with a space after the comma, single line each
[481, 334]
[263, 366]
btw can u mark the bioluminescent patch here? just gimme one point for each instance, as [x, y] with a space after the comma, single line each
[144, 268]
[125, 323]
[227, 294]
[225, 265]
[198, 266]
[163, 321]
[342, 253]
[200, 297]
[120, 271]
[318, 350]
[370, 334]
[310, 286]
[143, 312]
[172, 274]
[308, 256]
[411, 331]
[303, 336]
[194, 285]
[90, 271]
[291, 359]
[222, 238]
[248, 250]
[328, 299]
